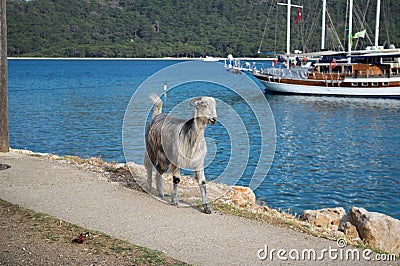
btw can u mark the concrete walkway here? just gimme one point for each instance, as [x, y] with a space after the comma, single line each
[87, 199]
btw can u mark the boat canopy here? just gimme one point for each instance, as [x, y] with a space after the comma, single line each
[377, 54]
[323, 53]
[359, 53]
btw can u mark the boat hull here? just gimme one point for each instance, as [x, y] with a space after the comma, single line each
[352, 87]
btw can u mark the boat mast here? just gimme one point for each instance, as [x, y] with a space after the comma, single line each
[378, 11]
[323, 24]
[288, 29]
[289, 5]
[350, 30]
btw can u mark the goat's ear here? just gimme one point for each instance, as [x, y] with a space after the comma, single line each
[195, 101]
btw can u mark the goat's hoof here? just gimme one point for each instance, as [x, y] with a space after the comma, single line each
[161, 196]
[207, 209]
[175, 203]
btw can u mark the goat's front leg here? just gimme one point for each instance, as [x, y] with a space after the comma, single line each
[199, 175]
[176, 175]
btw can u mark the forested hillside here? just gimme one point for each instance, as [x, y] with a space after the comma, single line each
[159, 28]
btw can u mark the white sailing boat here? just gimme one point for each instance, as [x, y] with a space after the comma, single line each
[374, 72]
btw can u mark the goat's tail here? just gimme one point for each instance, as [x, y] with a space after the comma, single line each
[157, 104]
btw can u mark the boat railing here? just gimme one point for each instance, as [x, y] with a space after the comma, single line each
[326, 75]
[332, 76]
[370, 73]
[292, 73]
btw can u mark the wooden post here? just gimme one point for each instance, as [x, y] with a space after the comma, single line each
[4, 137]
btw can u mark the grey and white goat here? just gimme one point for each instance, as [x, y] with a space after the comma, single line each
[173, 143]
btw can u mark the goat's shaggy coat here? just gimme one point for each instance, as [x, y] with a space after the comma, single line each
[176, 143]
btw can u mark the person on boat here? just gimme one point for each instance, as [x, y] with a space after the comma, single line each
[281, 59]
[231, 61]
[298, 61]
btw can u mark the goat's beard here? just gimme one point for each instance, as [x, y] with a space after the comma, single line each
[207, 119]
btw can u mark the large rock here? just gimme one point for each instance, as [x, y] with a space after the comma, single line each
[137, 169]
[377, 230]
[242, 196]
[350, 231]
[324, 217]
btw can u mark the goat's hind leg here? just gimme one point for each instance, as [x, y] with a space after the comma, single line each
[199, 175]
[161, 169]
[149, 168]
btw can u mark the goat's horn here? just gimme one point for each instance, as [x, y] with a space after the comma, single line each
[193, 101]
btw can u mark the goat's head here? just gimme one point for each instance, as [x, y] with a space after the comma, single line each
[206, 109]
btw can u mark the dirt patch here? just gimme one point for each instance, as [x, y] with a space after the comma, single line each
[30, 238]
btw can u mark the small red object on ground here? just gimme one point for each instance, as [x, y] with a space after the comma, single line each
[81, 238]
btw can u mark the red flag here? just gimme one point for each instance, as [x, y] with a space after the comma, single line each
[298, 15]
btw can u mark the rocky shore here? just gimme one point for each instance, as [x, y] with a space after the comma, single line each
[358, 226]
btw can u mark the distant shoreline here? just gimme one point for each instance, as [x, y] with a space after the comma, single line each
[137, 58]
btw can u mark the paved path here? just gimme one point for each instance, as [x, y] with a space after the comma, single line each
[87, 199]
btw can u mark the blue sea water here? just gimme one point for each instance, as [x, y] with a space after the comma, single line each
[329, 151]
